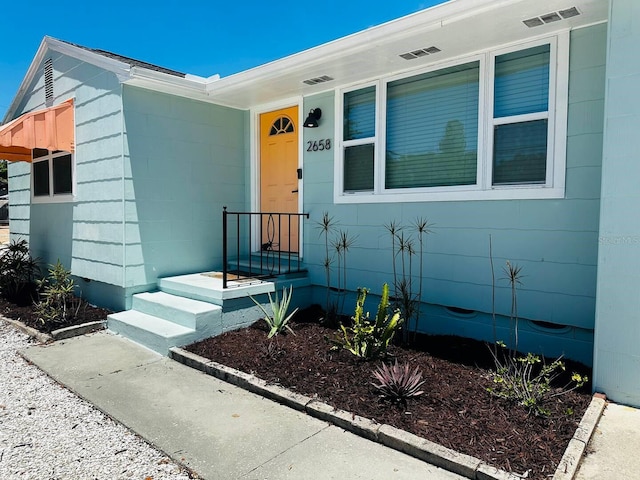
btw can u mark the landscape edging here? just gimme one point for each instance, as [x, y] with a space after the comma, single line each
[32, 332]
[413, 445]
[76, 330]
[59, 334]
[568, 466]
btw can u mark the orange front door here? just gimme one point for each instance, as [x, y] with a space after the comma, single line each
[279, 179]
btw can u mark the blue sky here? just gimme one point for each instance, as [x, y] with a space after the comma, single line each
[198, 37]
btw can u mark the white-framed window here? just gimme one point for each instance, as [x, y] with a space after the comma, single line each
[489, 126]
[51, 176]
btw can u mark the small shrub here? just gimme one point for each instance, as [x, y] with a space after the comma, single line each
[367, 338]
[58, 303]
[398, 383]
[279, 320]
[524, 379]
[527, 380]
[18, 273]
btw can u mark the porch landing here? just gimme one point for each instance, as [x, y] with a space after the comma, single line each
[207, 287]
[189, 308]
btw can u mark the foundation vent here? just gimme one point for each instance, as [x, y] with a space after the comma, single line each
[48, 82]
[422, 52]
[551, 17]
[316, 80]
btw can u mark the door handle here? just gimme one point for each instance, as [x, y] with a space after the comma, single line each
[294, 191]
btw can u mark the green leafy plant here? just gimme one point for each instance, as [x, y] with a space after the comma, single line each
[525, 379]
[19, 272]
[528, 381]
[398, 383]
[278, 320]
[368, 338]
[58, 303]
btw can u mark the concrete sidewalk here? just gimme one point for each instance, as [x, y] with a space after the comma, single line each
[614, 449]
[218, 430]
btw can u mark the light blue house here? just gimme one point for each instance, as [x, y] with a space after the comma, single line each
[512, 120]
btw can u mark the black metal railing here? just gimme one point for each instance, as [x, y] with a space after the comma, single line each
[279, 235]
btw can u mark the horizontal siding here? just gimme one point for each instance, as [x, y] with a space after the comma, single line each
[555, 241]
[184, 160]
[86, 234]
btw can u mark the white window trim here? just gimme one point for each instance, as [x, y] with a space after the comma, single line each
[53, 198]
[554, 186]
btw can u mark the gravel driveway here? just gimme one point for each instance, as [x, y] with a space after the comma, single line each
[47, 433]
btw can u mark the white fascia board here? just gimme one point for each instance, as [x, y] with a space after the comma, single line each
[121, 69]
[423, 21]
[154, 77]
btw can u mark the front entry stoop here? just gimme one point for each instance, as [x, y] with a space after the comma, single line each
[160, 320]
[192, 307]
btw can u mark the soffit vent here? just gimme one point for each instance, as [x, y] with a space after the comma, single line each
[316, 80]
[48, 82]
[551, 17]
[420, 53]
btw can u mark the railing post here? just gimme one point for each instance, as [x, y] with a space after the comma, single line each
[224, 247]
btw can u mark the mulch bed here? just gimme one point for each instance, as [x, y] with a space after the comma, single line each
[27, 315]
[455, 410]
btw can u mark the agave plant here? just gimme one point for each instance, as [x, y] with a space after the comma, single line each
[398, 382]
[278, 321]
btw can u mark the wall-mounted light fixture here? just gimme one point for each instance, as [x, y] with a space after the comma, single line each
[312, 119]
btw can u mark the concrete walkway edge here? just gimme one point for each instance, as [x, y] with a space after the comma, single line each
[570, 461]
[418, 447]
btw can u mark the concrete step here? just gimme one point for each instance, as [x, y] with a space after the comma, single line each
[190, 313]
[207, 287]
[156, 333]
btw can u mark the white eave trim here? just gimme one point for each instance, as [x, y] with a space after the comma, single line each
[121, 69]
[153, 78]
[423, 21]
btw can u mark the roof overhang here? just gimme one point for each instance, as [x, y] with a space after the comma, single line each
[190, 85]
[457, 28]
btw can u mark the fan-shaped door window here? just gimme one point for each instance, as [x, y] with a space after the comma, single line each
[281, 125]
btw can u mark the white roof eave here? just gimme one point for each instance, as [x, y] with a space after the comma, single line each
[424, 21]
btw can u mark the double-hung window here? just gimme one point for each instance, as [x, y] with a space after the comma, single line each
[359, 139]
[52, 176]
[486, 127]
[521, 116]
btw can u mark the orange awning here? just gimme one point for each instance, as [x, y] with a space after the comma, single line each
[50, 129]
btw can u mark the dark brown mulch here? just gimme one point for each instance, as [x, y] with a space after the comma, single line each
[456, 409]
[27, 315]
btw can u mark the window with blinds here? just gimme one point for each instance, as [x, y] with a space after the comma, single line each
[359, 137]
[521, 110]
[492, 126]
[432, 129]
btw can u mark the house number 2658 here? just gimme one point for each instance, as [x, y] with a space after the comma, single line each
[319, 145]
